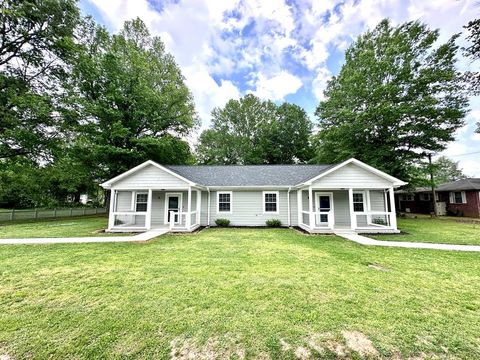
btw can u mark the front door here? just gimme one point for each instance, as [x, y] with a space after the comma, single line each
[324, 207]
[173, 204]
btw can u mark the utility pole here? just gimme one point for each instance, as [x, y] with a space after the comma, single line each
[434, 201]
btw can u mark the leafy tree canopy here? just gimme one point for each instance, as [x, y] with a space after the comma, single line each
[395, 99]
[131, 101]
[446, 170]
[253, 131]
[473, 52]
[35, 43]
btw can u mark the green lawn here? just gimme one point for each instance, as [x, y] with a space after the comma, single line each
[70, 227]
[233, 293]
[435, 231]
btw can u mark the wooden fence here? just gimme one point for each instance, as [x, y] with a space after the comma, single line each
[31, 214]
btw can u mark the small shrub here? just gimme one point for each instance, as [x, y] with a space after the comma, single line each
[222, 222]
[379, 221]
[273, 223]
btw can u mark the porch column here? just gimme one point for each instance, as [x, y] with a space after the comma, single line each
[148, 217]
[393, 214]
[208, 207]
[369, 207]
[199, 207]
[111, 216]
[310, 207]
[299, 206]
[353, 218]
[189, 208]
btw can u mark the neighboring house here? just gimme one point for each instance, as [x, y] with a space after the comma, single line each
[316, 198]
[460, 198]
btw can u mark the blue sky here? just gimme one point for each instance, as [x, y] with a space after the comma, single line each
[282, 50]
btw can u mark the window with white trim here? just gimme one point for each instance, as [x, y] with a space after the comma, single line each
[425, 196]
[224, 202]
[406, 197]
[358, 202]
[141, 200]
[458, 197]
[270, 202]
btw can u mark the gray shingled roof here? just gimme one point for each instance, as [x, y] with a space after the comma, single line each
[248, 175]
[462, 184]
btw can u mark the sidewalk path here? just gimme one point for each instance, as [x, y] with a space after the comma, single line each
[416, 245]
[98, 239]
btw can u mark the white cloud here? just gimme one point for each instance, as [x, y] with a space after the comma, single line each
[319, 84]
[277, 86]
[283, 44]
[206, 92]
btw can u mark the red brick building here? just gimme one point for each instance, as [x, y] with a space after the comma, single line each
[457, 198]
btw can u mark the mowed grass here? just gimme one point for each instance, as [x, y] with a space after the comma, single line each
[238, 293]
[435, 231]
[71, 227]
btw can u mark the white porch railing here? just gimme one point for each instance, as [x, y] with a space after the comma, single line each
[364, 220]
[184, 220]
[129, 219]
[369, 219]
[322, 219]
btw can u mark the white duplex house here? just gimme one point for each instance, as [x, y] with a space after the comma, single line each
[317, 198]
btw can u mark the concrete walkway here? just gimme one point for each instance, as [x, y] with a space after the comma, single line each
[415, 245]
[98, 239]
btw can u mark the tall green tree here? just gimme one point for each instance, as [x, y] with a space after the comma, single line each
[472, 51]
[35, 44]
[131, 101]
[253, 131]
[446, 170]
[395, 99]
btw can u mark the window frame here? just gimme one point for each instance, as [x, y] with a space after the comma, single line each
[463, 195]
[428, 195]
[364, 202]
[277, 195]
[136, 201]
[411, 197]
[218, 202]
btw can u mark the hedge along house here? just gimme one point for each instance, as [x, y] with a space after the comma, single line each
[317, 198]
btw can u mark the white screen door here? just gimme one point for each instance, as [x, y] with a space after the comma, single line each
[324, 207]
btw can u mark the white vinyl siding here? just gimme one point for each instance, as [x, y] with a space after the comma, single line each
[293, 208]
[150, 176]
[247, 209]
[377, 200]
[352, 176]
[124, 201]
[341, 208]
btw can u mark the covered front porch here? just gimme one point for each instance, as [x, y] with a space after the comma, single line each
[138, 210]
[363, 210]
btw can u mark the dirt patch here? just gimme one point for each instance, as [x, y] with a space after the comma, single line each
[314, 342]
[378, 267]
[4, 355]
[302, 353]
[285, 346]
[214, 348]
[359, 343]
[337, 348]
